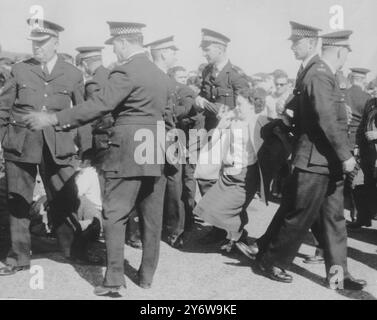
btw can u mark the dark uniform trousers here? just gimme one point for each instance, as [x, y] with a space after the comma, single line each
[366, 202]
[20, 185]
[308, 197]
[189, 192]
[136, 93]
[315, 190]
[174, 209]
[132, 226]
[180, 103]
[52, 151]
[122, 196]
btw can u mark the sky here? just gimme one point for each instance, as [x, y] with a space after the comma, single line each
[258, 29]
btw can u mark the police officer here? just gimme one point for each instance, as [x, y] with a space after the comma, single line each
[322, 154]
[44, 83]
[220, 83]
[366, 137]
[191, 120]
[357, 97]
[163, 53]
[137, 95]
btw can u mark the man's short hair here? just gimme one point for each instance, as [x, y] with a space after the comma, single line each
[134, 38]
[278, 74]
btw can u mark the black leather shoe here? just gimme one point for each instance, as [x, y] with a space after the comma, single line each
[248, 250]
[317, 258]
[351, 283]
[275, 273]
[175, 241]
[357, 225]
[10, 270]
[314, 260]
[228, 246]
[145, 285]
[137, 244]
[114, 292]
[216, 235]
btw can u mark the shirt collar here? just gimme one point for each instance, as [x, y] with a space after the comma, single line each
[134, 54]
[221, 65]
[333, 70]
[51, 64]
[306, 61]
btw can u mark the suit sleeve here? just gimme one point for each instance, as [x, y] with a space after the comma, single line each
[185, 103]
[320, 90]
[8, 96]
[118, 88]
[362, 128]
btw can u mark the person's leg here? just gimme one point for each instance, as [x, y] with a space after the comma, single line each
[83, 237]
[216, 234]
[151, 207]
[174, 211]
[189, 193]
[62, 194]
[333, 225]
[20, 184]
[318, 237]
[287, 204]
[308, 195]
[119, 201]
[5, 242]
[133, 236]
[365, 199]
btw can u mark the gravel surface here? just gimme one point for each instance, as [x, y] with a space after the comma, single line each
[201, 272]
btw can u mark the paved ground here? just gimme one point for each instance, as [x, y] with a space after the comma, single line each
[202, 272]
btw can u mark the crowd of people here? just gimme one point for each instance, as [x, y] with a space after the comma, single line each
[69, 129]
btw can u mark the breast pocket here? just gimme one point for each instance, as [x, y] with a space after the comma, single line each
[26, 93]
[62, 96]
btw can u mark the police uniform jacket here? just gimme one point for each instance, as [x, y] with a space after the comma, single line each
[29, 89]
[321, 121]
[136, 94]
[356, 99]
[221, 88]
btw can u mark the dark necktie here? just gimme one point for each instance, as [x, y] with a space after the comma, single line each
[300, 70]
[45, 69]
[214, 72]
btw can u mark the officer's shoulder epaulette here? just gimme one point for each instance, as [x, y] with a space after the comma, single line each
[237, 69]
[29, 60]
[321, 68]
[72, 66]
